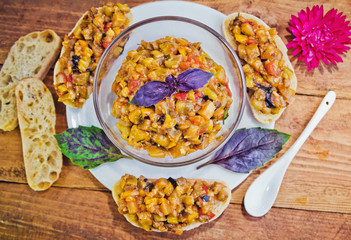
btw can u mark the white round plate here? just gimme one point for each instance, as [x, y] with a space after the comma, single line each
[109, 173]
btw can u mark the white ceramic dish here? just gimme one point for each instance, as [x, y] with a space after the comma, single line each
[109, 173]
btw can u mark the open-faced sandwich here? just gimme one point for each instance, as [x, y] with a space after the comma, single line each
[169, 205]
[270, 78]
[82, 49]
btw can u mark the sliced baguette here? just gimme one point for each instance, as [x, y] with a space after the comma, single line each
[31, 56]
[260, 117]
[217, 210]
[36, 116]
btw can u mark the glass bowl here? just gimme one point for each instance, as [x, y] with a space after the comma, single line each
[150, 30]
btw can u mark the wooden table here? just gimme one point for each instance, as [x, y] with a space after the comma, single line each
[315, 197]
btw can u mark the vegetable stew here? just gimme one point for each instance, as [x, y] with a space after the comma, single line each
[179, 124]
[83, 49]
[267, 76]
[169, 204]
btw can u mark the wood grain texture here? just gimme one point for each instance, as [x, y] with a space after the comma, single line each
[320, 173]
[95, 216]
[314, 199]
[61, 16]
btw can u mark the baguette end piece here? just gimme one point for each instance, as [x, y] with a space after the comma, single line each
[30, 56]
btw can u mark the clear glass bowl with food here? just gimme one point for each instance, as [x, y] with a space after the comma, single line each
[169, 91]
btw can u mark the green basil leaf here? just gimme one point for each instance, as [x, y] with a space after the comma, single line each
[88, 147]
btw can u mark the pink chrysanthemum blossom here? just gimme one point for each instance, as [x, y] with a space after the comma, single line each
[319, 37]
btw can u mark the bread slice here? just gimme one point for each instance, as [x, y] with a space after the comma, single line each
[37, 118]
[259, 116]
[31, 56]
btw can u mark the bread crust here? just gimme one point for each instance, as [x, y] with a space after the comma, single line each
[259, 116]
[36, 116]
[217, 210]
[30, 56]
[59, 67]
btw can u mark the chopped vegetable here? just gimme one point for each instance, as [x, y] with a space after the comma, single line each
[179, 104]
[158, 204]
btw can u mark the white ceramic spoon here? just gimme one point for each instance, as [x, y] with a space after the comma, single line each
[263, 191]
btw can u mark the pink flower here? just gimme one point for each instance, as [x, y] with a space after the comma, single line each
[319, 37]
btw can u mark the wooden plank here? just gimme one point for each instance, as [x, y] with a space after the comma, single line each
[318, 178]
[61, 17]
[63, 213]
[11, 160]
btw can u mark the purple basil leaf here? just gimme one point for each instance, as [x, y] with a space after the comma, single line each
[172, 84]
[151, 93]
[88, 147]
[249, 149]
[192, 79]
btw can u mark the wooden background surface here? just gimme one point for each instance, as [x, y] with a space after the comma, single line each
[315, 197]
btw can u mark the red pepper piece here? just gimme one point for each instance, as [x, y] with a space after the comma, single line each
[184, 65]
[251, 41]
[198, 94]
[271, 69]
[134, 85]
[107, 26]
[181, 96]
[204, 187]
[202, 131]
[106, 43]
[69, 78]
[212, 215]
[228, 89]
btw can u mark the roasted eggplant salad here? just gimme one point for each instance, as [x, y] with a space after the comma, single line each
[170, 205]
[270, 78]
[171, 97]
[82, 49]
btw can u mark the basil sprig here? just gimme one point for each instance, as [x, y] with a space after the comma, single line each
[155, 91]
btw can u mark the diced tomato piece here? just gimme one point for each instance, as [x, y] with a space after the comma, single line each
[134, 84]
[106, 43]
[184, 65]
[204, 187]
[69, 78]
[251, 41]
[202, 131]
[195, 62]
[198, 94]
[271, 69]
[107, 26]
[181, 96]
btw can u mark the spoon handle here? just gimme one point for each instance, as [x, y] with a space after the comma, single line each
[323, 108]
[262, 193]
